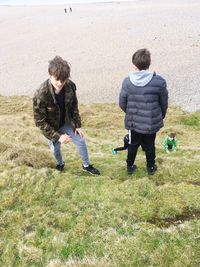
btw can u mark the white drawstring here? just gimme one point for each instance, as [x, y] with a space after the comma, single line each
[129, 135]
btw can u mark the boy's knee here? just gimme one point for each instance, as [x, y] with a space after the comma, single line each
[149, 149]
[81, 142]
[132, 147]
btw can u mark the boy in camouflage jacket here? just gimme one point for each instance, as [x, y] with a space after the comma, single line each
[55, 108]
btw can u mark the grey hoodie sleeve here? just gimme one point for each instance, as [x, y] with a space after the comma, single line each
[163, 99]
[123, 98]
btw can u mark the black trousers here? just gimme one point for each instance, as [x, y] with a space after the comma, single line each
[120, 148]
[148, 142]
[170, 147]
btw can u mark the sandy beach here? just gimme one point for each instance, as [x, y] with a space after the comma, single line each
[99, 40]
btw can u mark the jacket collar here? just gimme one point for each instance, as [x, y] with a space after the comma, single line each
[52, 91]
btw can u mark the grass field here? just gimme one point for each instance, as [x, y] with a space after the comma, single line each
[54, 219]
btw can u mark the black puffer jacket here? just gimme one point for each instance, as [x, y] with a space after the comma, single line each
[145, 106]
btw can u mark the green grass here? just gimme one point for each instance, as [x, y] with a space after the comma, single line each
[57, 219]
[190, 120]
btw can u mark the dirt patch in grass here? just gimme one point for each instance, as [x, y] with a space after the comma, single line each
[179, 219]
[196, 183]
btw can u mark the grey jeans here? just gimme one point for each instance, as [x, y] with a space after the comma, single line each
[77, 140]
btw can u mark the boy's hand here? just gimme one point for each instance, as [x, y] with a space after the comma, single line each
[80, 132]
[167, 150]
[64, 139]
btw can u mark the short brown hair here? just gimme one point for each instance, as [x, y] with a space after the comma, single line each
[172, 135]
[142, 59]
[59, 68]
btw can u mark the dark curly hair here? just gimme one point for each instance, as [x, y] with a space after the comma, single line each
[59, 68]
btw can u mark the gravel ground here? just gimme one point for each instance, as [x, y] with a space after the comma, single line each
[99, 40]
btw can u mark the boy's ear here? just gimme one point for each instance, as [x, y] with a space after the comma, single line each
[135, 68]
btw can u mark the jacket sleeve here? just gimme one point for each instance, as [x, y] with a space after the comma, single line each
[40, 118]
[175, 144]
[123, 98]
[165, 144]
[75, 111]
[163, 99]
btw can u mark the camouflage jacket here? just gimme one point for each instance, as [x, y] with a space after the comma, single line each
[47, 113]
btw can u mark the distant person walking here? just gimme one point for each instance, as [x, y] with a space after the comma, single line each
[144, 99]
[56, 113]
[65, 10]
[70, 9]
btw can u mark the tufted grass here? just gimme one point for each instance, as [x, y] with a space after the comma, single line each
[65, 219]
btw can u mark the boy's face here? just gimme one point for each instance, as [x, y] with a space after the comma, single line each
[57, 84]
[171, 138]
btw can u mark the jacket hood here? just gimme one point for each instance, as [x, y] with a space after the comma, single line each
[141, 78]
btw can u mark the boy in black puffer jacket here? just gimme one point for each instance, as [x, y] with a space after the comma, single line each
[144, 99]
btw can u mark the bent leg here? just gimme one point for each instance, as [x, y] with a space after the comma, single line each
[121, 148]
[78, 141]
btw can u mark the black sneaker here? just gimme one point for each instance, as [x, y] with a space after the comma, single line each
[131, 169]
[151, 170]
[60, 167]
[92, 170]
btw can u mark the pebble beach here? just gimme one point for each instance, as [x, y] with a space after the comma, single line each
[98, 40]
